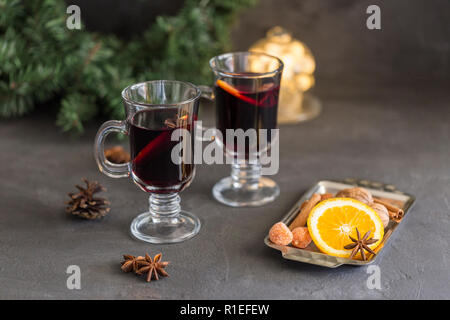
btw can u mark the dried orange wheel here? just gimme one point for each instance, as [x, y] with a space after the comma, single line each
[331, 222]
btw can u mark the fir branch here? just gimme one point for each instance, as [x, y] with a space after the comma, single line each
[42, 61]
[75, 109]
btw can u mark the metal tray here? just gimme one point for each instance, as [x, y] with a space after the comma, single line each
[312, 254]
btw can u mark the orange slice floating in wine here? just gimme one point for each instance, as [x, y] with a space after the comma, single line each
[235, 92]
[153, 146]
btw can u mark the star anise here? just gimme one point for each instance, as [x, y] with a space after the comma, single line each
[152, 267]
[179, 121]
[361, 244]
[130, 263]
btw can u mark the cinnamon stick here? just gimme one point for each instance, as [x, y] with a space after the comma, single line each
[326, 196]
[300, 220]
[395, 213]
[303, 205]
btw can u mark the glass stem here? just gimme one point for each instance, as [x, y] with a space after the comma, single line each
[245, 175]
[164, 206]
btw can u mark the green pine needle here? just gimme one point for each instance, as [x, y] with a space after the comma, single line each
[42, 61]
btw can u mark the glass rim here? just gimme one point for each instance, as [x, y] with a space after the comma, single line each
[161, 105]
[250, 74]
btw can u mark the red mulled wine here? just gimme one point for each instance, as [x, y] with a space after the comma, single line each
[151, 151]
[244, 108]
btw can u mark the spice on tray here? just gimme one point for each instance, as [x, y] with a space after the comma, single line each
[301, 237]
[361, 244]
[326, 196]
[356, 193]
[395, 213]
[300, 220]
[280, 234]
[382, 213]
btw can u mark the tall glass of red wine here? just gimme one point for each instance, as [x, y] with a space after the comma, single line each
[246, 90]
[159, 122]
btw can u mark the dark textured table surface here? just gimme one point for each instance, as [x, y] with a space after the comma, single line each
[395, 136]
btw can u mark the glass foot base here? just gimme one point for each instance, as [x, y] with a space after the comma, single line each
[245, 196]
[150, 229]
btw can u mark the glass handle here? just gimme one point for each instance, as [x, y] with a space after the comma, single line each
[112, 170]
[207, 93]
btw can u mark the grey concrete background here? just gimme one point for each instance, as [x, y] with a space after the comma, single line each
[413, 44]
[385, 117]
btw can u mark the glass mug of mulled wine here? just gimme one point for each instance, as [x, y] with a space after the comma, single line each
[154, 111]
[246, 90]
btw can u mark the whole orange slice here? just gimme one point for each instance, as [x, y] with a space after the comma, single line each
[331, 222]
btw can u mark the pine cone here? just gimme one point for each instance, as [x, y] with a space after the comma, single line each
[117, 154]
[83, 203]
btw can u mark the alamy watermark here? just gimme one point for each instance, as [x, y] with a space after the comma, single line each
[373, 22]
[73, 21]
[251, 146]
[374, 280]
[74, 280]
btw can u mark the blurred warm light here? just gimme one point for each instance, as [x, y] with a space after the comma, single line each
[299, 65]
